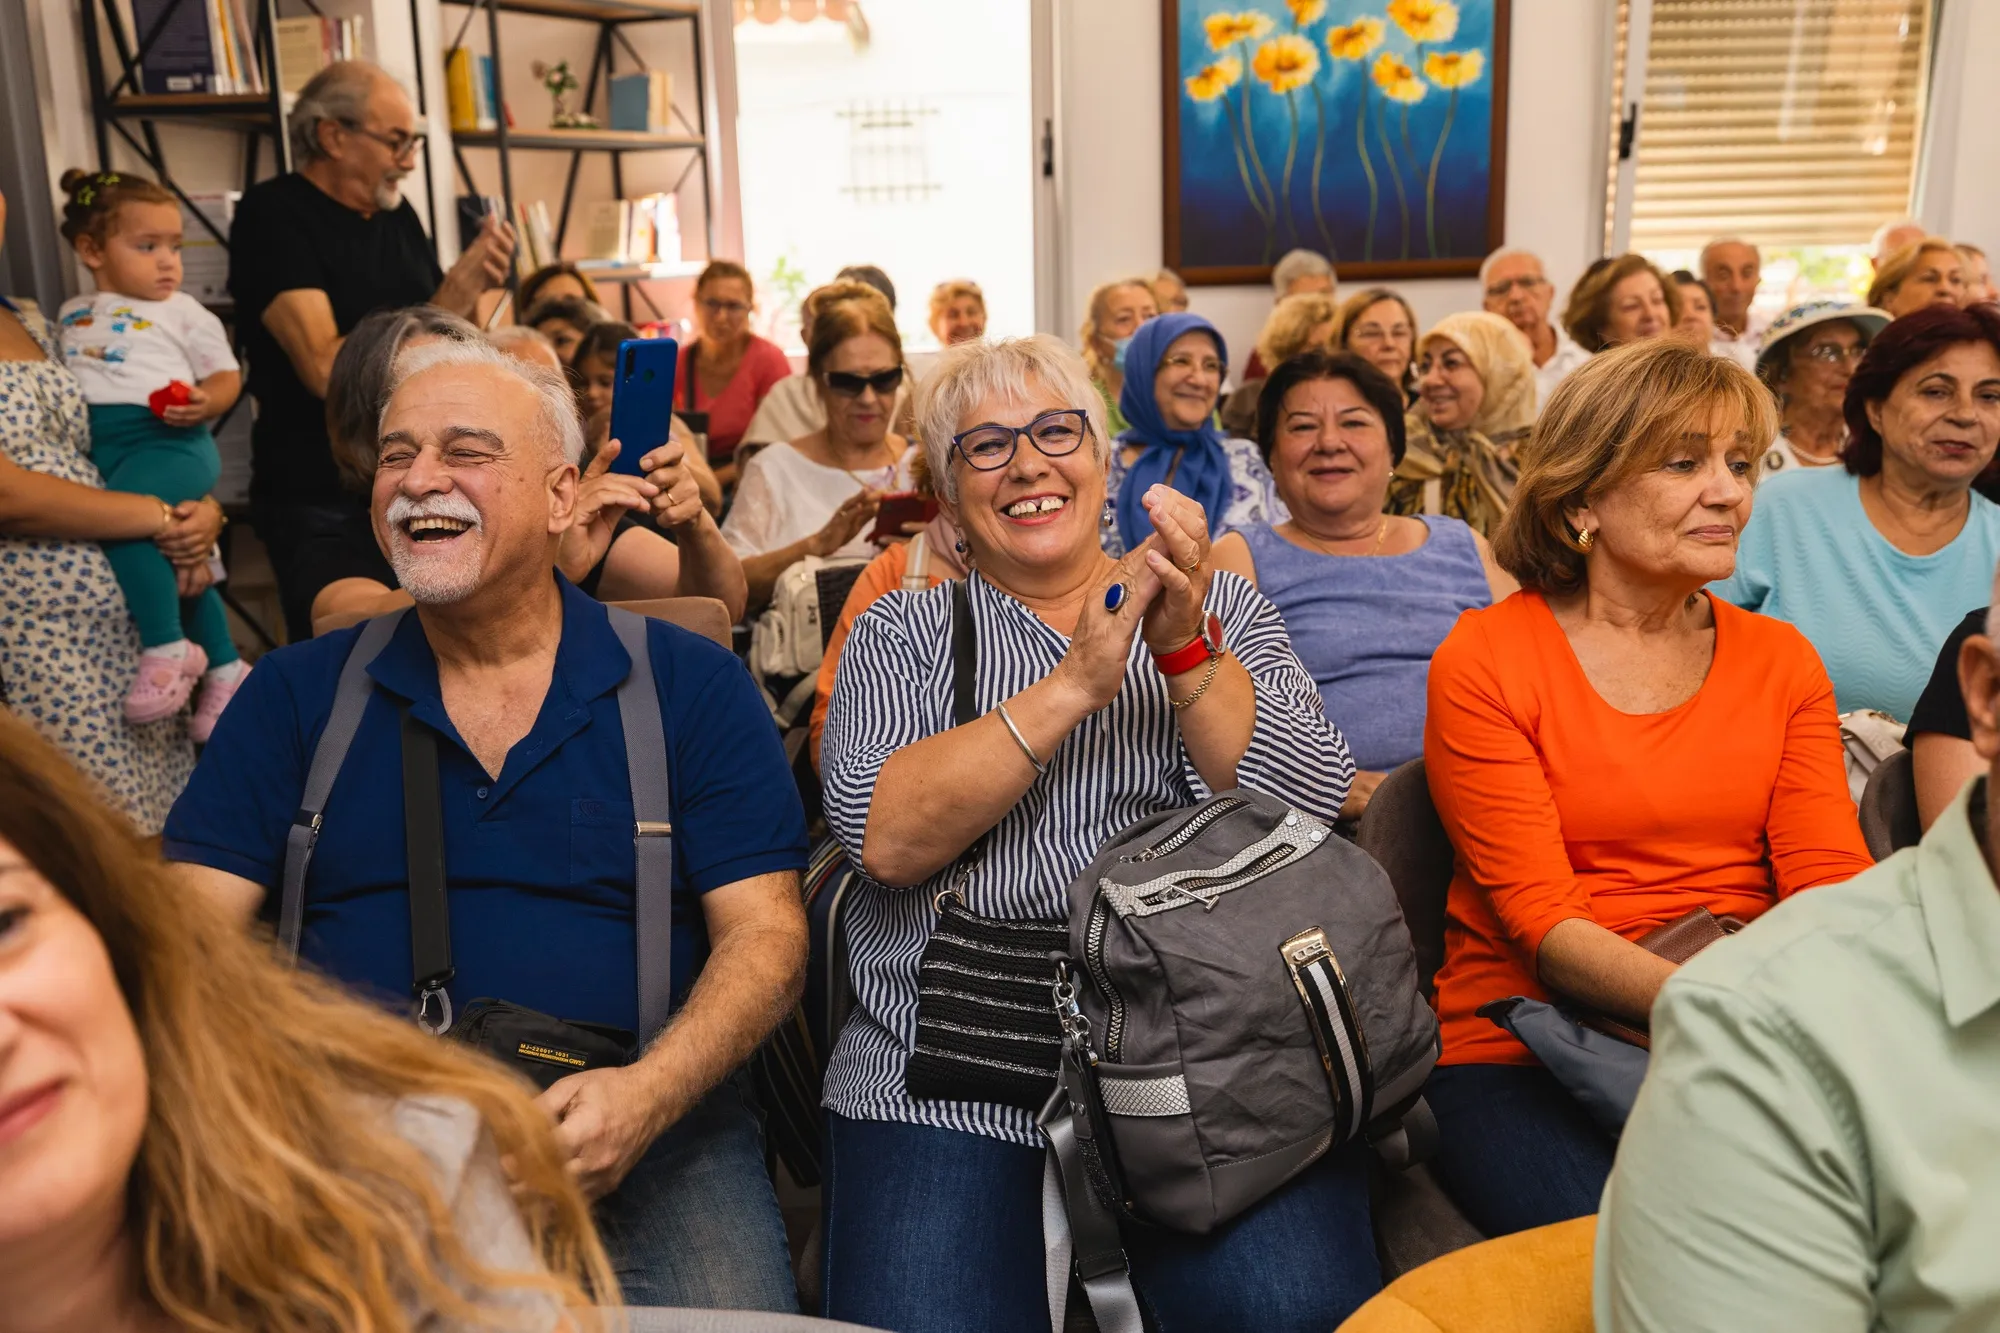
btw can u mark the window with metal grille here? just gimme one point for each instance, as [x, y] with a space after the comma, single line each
[1793, 124]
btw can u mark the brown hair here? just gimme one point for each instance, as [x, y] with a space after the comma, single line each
[531, 286]
[1617, 415]
[1897, 268]
[96, 196]
[1355, 306]
[1589, 307]
[725, 268]
[950, 290]
[265, 1194]
[838, 316]
[1288, 328]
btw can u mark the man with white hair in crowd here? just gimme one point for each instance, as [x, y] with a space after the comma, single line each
[1302, 272]
[1733, 268]
[1515, 288]
[1892, 236]
[513, 679]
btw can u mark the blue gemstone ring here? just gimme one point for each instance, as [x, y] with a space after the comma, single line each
[1114, 597]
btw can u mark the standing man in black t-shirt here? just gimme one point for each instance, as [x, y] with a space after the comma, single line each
[310, 254]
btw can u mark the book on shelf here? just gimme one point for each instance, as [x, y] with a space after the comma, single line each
[204, 259]
[641, 101]
[607, 224]
[308, 45]
[468, 87]
[182, 56]
[534, 242]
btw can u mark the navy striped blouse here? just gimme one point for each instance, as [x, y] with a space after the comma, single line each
[1120, 765]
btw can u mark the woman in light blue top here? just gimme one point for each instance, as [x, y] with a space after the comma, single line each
[1173, 377]
[1367, 596]
[1877, 561]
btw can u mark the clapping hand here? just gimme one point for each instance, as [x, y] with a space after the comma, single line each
[1177, 557]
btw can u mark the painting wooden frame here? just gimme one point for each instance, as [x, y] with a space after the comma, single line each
[1281, 49]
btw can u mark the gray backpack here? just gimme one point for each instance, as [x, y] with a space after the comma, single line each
[1240, 999]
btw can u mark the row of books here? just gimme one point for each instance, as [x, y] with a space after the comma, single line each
[646, 230]
[641, 101]
[468, 90]
[209, 46]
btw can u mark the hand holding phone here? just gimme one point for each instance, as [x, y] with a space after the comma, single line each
[642, 399]
[899, 510]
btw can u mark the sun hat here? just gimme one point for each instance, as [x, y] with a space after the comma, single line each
[1802, 317]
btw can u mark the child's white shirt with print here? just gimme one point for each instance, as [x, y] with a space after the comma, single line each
[122, 349]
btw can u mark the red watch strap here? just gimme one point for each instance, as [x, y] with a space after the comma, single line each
[1187, 657]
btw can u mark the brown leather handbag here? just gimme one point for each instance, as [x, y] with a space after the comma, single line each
[1677, 941]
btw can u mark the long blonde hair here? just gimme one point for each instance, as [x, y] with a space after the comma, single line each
[267, 1192]
[1093, 322]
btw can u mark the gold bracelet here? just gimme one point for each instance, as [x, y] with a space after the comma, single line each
[1214, 665]
[166, 517]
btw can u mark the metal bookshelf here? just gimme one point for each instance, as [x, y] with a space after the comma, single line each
[611, 17]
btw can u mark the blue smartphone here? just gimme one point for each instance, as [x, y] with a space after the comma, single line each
[642, 399]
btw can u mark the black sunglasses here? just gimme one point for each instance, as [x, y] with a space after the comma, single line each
[883, 382]
[990, 447]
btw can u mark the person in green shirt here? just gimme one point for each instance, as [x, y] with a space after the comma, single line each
[1817, 1144]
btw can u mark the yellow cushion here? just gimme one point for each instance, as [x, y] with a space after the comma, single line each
[1533, 1282]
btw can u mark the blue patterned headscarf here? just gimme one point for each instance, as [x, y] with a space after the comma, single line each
[1203, 471]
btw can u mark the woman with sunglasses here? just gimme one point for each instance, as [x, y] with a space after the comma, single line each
[1809, 355]
[1105, 691]
[1173, 378]
[815, 495]
[725, 370]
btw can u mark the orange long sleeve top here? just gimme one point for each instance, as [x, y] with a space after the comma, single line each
[1560, 806]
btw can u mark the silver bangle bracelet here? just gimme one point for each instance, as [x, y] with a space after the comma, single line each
[1020, 740]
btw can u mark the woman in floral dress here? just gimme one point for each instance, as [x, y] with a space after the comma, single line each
[68, 647]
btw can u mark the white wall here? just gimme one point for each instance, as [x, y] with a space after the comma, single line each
[1958, 188]
[1109, 119]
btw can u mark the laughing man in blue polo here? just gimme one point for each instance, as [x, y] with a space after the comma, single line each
[514, 677]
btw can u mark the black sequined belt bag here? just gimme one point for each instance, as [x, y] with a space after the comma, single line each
[986, 1031]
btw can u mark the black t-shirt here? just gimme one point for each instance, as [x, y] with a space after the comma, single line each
[290, 234]
[1941, 708]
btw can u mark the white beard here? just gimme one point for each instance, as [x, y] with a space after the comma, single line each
[431, 576]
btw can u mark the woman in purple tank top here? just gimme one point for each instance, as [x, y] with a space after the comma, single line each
[1366, 595]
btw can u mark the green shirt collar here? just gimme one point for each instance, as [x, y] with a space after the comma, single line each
[1961, 908]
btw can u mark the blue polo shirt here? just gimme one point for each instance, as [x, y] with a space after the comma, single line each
[539, 860]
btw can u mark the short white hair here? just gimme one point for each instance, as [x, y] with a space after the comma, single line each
[1511, 252]
[561, 429]
[1298, 264]
[1010, 369]
[338, 93]
[1881, 235]
[1702, 263]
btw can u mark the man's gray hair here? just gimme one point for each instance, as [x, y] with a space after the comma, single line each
[560, 426]
[1011, 369]
[1509, 252]
[1881, 235]
[338, 93]
[1298, 264]
[1702, 263]
[508, 336]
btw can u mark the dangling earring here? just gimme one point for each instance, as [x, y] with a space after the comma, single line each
[964, 556]
[1585, 538]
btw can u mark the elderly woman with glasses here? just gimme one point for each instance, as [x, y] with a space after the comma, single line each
[725, 370]
[814, 496]
[1102, 691]
[1173, 379]
[1808, 357]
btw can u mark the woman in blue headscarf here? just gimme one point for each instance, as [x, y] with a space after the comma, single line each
[1173, 376]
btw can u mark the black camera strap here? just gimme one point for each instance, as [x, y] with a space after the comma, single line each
[423, 848]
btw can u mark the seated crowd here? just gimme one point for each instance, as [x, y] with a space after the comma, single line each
[1622, 583]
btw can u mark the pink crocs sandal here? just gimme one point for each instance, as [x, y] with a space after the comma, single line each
[215, 697]
[164, 684]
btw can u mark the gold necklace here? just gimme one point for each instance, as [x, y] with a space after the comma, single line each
[1381, 535]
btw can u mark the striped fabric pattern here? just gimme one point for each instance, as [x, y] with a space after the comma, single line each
[1120, 765]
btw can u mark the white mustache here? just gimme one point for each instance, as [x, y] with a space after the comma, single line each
[446, 504]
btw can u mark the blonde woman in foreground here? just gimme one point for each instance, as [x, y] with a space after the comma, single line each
[192, 1136]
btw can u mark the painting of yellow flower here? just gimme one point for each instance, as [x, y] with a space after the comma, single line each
[1454, 69]
[1212, 81]
[1397, 80]
[1225, 30]
[1356, 40]
[1285, 63]
[1425, 20]
[1370, 131]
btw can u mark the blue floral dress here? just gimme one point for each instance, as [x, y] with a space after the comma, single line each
[68, 648]
[1253, 495]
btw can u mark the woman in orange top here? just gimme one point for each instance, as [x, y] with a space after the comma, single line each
[1611, 748]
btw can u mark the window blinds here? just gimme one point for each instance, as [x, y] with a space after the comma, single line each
[1784, 122]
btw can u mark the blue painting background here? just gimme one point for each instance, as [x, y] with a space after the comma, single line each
[1218, 225]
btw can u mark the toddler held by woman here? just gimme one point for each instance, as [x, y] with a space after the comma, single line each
[156, 368]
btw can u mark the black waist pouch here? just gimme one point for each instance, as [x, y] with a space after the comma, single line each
[538, 1045]
[985, 1029]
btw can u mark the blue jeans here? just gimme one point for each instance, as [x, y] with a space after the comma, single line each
[696, 1222]
[940, 1231]
[1515, 1150]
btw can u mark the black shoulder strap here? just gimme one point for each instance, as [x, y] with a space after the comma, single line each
[653, 829]
[694, 358]
[350, 700]
[423, 850]
[964, 655]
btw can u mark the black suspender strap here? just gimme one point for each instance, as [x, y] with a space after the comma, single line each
[350, 700]
[964, 655]
[423, 845]
[652, 829]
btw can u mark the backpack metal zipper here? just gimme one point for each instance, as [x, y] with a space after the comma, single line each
[1093, 961]
[1189, 831]
[1295, 836]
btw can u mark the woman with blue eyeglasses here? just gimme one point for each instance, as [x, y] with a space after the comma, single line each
[1102, 691]
[1116, 310]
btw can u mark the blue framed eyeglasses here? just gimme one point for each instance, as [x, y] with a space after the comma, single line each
[991, 447]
